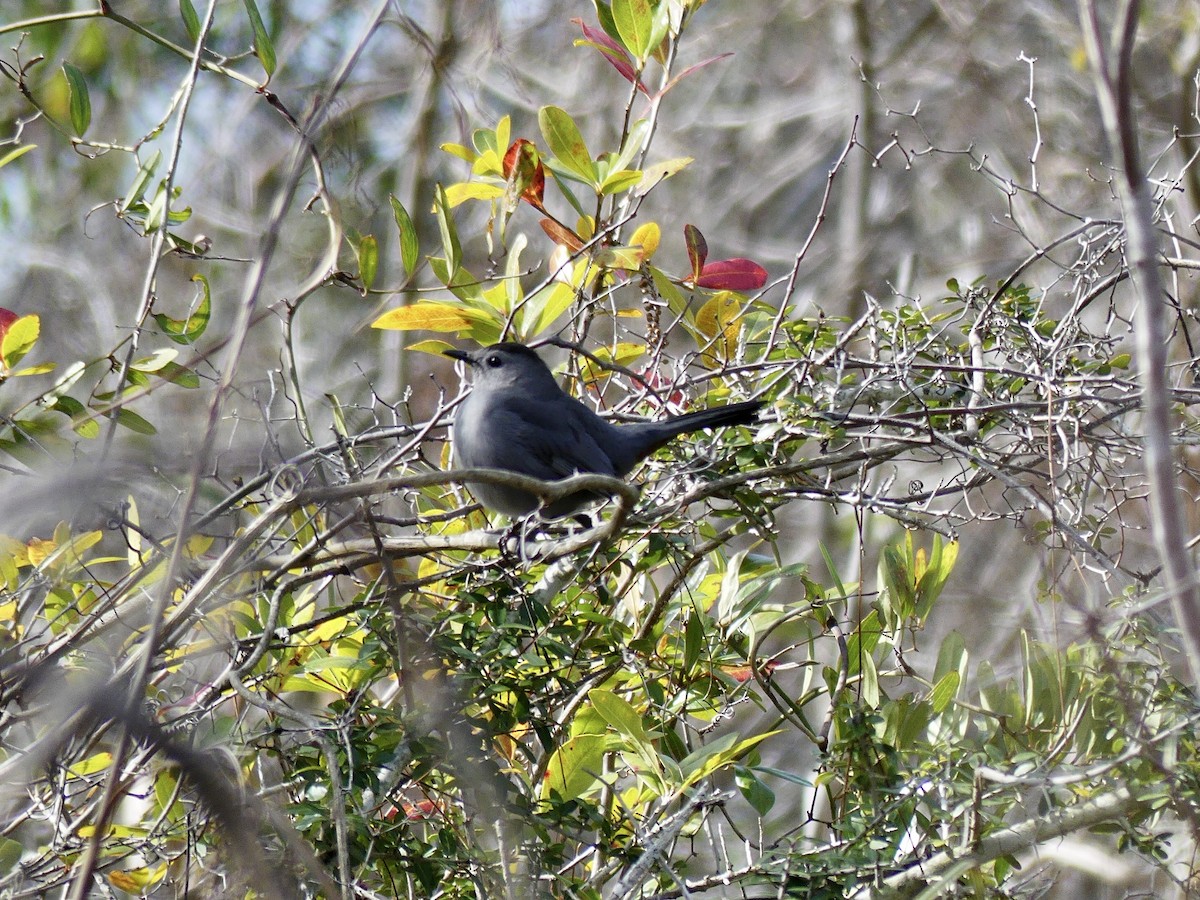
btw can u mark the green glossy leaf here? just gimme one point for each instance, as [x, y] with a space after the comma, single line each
[80, 103]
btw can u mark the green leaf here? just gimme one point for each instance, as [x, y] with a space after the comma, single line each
[19, 339]
[693, 641]
[618, 713]
[944, 691]
[410, 249]
[264, 49]
[368, 260]
[634, 20]
[190, 20]
[15, 154]
[575, 766]
[566, 143]
[189, 330]
[760, 797]
[554, 303]
[80, 102]
[134, 422]
[450, 243]
[621, 181]
[141, 181]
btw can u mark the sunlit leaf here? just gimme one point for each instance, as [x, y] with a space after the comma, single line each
[18, 338]
[424, 316]
[457, 194]
[450, 244]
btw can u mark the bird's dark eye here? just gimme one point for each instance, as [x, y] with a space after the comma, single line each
[494, 361]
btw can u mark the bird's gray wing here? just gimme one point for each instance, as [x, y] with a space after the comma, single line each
[547, 439]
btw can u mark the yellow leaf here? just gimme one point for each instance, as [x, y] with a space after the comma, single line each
[97, 762]
[718, 321]
[647, 237]
[38, 550]
[424, 316]
[472, 190]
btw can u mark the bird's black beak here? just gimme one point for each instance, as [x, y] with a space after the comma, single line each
[460, 355]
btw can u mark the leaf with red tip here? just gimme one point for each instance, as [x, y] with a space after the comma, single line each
[736, 274]
[613, 52]
[561, 234]
[697, 249]
[7, 317]
[524, 172]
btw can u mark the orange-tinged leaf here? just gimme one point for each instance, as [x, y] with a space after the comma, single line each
[561, 234]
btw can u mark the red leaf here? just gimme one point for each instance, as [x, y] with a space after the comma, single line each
[524, 172]
[7, 317]
[732, 275]
[561, 234]
[614, 53]
[697, 249]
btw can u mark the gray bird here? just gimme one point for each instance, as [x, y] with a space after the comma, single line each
[518, 419]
